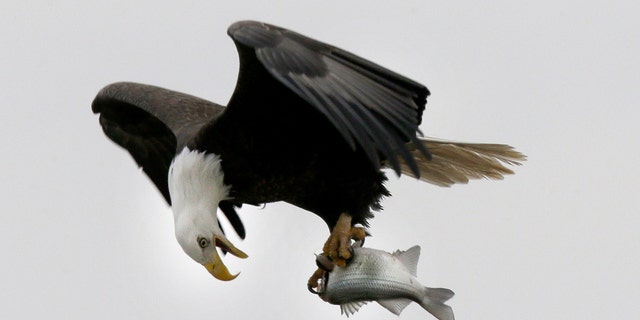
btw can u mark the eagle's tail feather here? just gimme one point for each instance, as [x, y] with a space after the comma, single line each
[458, 162]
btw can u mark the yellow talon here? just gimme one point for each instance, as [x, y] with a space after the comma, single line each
[338, 246]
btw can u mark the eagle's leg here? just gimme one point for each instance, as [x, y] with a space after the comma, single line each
[338, 246]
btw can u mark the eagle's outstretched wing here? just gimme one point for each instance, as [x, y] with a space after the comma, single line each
[372, 107]
[153, 123]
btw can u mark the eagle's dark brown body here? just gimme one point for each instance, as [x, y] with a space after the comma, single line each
[297, 156]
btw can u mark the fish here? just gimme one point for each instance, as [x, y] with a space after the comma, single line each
[387, 278]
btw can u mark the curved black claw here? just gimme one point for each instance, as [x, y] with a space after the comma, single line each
[357, 244]
[311, 289]
[350, 254]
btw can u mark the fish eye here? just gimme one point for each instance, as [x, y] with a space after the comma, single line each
[203, 242]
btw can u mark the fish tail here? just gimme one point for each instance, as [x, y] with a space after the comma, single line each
[433, 301]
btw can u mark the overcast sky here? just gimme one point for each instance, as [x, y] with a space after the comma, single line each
[85, 235]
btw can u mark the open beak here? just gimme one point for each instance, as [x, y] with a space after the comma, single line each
[216, 267]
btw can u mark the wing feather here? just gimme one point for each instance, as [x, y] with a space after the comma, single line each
[153, 123]
[372, 107]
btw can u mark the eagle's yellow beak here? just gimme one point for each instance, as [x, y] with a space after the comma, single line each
[216, 267]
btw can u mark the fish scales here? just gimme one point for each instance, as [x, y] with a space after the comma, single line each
[387, 278]
[377, 275]
[344, 291]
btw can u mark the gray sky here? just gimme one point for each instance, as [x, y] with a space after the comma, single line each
[84, 234]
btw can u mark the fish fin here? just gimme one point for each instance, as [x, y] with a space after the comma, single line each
[434, 303]
[395, 305]
[409, 258]
[352, 307]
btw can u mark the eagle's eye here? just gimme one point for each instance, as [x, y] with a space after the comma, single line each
[203, 242]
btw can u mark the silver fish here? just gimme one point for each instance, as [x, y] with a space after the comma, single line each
[387, 278]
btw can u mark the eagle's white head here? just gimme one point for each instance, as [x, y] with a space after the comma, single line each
[196, 187]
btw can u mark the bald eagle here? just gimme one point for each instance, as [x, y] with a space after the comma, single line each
[308, 123]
